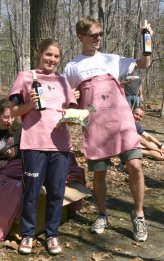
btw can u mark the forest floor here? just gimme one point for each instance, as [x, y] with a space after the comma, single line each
[116, 243]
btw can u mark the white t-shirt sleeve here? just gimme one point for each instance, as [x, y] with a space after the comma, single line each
[70, 76]
[126, 66]
[83, 67]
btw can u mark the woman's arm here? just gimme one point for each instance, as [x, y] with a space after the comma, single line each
[19, 110]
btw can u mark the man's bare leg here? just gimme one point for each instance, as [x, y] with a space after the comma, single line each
[99, 187]
[136, 184]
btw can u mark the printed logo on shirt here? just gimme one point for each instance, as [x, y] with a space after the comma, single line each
[34, 175]
[51, 87]
[104, 97]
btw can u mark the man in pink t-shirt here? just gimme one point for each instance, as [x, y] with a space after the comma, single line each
[111, 128]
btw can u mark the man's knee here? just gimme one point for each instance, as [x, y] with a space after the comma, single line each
[134, 167]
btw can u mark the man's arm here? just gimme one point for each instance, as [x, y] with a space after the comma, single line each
[144, 61]
[149, 145]
[150, 139]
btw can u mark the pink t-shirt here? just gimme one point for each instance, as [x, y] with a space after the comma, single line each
[39, 129]
[111, 129]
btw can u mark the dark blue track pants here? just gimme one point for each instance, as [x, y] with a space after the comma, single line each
[50, 168]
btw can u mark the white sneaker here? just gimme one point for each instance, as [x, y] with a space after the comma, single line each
[26, 245]
[100, 224]
[53, 246]
[139, 228]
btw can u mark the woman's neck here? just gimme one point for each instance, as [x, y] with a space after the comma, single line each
[44, 71]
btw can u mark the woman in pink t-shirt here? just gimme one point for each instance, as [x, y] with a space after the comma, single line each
[44, 143]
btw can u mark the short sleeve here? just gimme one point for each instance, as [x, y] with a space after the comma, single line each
[16, 92]
[139, 129]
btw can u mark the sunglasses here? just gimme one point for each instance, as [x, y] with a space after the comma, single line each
[94, 36]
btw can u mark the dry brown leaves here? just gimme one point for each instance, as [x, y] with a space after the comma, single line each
[11, 244]
[101, 256]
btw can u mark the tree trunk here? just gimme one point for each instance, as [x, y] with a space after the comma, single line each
[19, 21]
[25, 33]
[94, 8]
[43, 22]
[162, 109]
[84, 6]
[102, 20]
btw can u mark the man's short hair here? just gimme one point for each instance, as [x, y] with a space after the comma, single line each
[84, 24]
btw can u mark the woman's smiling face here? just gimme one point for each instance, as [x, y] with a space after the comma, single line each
[49, 59]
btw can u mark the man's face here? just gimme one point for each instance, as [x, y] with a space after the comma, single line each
[92, 39]
[138, 115]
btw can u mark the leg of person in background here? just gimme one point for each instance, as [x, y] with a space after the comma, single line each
[129, 99]
[136, 102]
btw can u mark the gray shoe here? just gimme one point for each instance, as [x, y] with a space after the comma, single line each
[139, 228]
[100, 224]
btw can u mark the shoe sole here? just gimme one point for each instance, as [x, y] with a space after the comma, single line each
[97, 231]
[143, 239]
[54, 252]
[24, 252]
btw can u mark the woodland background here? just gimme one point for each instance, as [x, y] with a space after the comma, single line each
[24, 23]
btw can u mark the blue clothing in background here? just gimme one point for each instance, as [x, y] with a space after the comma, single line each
[139, 129]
